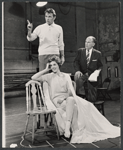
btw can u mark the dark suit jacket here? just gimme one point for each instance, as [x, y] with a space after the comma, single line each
[80, 63]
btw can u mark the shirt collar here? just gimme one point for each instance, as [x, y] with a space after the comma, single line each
[90, 50]
[50, 25]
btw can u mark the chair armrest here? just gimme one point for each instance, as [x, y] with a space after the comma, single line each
[32, 81]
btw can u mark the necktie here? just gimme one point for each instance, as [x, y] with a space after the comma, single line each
[87, 57]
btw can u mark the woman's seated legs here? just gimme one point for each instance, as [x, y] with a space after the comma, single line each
[75, 119]
[71, 116]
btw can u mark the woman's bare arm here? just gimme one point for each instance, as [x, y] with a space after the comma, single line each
[38, 75]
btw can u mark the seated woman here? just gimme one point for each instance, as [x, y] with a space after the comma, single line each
[76, 115]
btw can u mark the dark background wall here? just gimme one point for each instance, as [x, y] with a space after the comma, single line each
[109, 39]
[78, 20]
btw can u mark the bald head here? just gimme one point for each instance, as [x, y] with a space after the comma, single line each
[90, 42]
[93, 38]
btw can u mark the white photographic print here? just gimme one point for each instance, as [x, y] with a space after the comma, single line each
[61, 74]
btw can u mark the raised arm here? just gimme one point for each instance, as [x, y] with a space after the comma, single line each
[30, 36]
[38, 75]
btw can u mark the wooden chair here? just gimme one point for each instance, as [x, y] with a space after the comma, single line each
[36, 106]
[98, 103]
[102, 95]
[100, 106]
[103, 91]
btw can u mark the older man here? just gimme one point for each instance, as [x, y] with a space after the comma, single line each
[87, 61]
[50, 38]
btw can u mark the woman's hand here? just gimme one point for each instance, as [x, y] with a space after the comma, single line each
[48, 67]
[60, 101]
[38, 75]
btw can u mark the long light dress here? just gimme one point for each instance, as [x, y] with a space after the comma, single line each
[58, 90]
[93, 126]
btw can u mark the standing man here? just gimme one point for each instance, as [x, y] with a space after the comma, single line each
[50, 38]
[87, 61]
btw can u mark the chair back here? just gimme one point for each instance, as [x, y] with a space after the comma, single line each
[106, 83]
[34, 96]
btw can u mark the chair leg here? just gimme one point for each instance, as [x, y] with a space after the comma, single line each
[108, 96]
[100, 108]
[38, 121]
[103, 95]
[33, 129]
[27, 121]
[46, 116]
[51, 120]
[56, 126]
[100, 96]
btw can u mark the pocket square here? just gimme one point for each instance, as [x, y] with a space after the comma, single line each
[94, 60]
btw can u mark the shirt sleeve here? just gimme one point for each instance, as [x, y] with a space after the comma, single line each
[46, 78]
[60, 40]
[32, 38]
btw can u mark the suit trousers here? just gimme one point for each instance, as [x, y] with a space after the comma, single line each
[90, 91]
[90, 88]
[79, 85]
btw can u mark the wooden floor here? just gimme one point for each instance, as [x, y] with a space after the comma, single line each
[15, 118]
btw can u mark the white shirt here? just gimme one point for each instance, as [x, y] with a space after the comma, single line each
[90, 52]
[50, 38]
